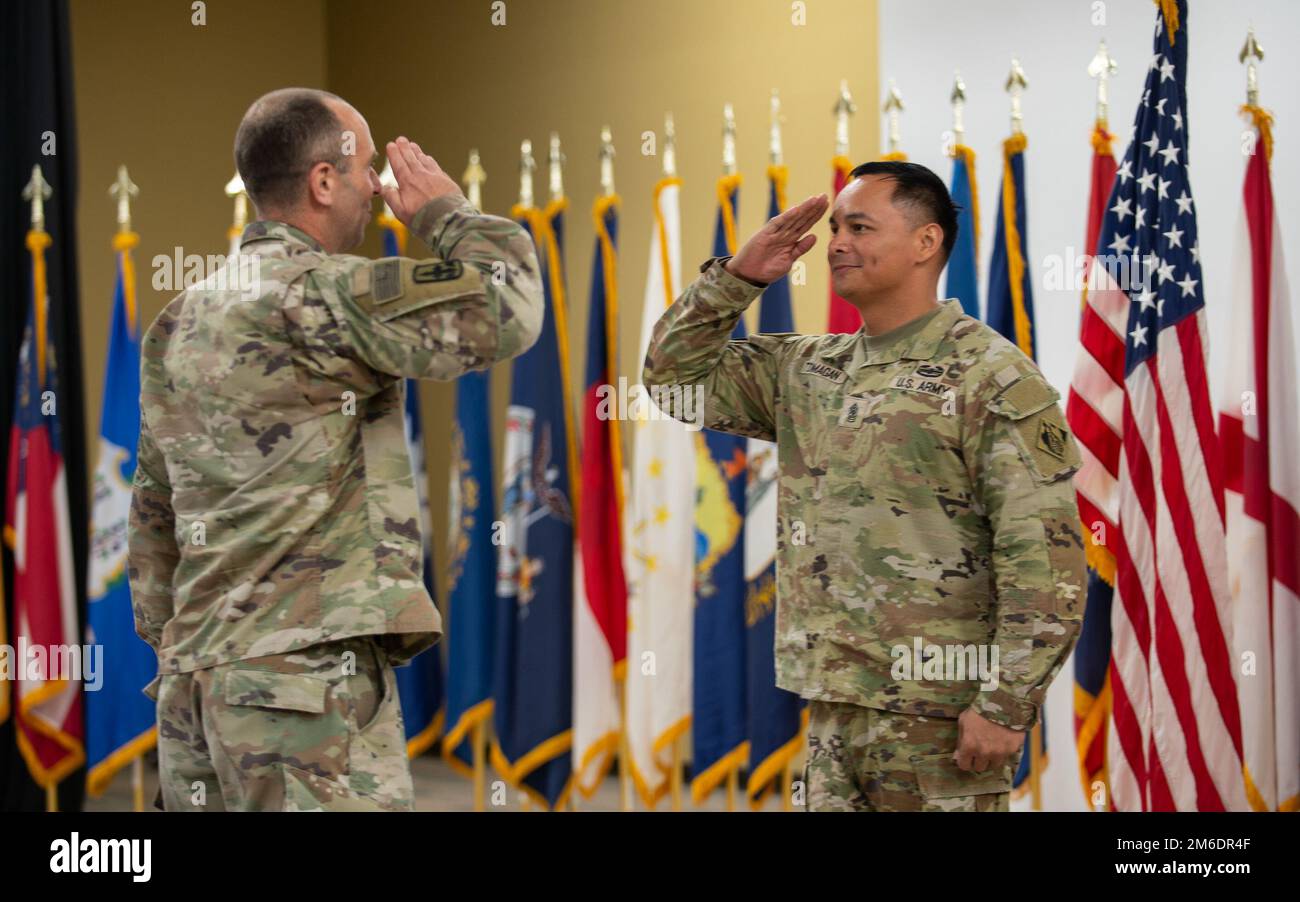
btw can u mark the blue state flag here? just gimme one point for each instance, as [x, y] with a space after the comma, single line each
[1011, 295]
[719, 687]
[533, 666]
[775, 723]
[472, 572]
[120, 718]
[963, 262]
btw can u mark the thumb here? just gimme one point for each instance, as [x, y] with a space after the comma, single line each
[392, 197]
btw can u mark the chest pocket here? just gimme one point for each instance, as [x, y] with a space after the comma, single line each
[1041, 434]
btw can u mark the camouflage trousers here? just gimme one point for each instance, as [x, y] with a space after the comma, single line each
[318, 729]
[864, 759]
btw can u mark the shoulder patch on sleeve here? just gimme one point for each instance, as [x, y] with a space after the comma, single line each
[1027, 395]
[395, 286]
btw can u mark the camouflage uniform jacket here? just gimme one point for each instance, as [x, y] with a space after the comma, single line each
[273, 506]
[924, 499]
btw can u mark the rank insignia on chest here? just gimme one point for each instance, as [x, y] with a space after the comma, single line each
[825, 370]
[1051, 438]
[856, 408]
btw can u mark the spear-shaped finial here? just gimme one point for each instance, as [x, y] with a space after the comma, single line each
[893, 108]
[606, 161]
[670, 146]
[1016, 85]
[37, 191]
[235, 190]
[526, 166]
[555, 165]
[1250, 52]
[958, 98]
[1102, 68]
[843, 109]
[728, 140]
[474, 178]
[774, 130]
[122, 190]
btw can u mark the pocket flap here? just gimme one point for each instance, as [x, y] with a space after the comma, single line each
[1027, 395]
[285, 691]
[940, 778]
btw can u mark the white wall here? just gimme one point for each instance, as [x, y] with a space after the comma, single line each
[923, 41]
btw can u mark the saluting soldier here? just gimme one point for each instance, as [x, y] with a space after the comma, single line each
[930, 561]
[275, 547]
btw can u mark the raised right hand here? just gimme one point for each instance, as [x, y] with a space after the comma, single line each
[419, 180]
[769, 255]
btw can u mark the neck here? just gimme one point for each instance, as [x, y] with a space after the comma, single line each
[303, 222]
[884, 314]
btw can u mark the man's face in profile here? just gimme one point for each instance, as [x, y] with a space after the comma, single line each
[359, 185]
[872, 242]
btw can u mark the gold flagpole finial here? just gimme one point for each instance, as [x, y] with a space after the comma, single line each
[474, 177]
[387, 179]
[958, 99]
[122, 191]
[670, 146]
[37, 191]
[1250, 52]
[728, 140]
[843, 109]
[526, 166]
[1102, 67]
[606, 161]
[555, 164]
[235, 190]
[1016, 85]
[893, 108]
[774, 133]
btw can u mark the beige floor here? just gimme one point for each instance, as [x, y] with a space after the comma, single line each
[437, 788]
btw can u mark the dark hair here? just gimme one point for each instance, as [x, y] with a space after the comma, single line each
[281, 137]
[922, 192]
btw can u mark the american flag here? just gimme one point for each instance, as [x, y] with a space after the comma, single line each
[1174, 738]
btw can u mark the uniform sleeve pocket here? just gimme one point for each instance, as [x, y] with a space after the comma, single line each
[939, 777]
[1039, 429]
[282, 691]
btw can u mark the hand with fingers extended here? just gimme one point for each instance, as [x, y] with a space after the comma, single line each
[419, 180]
[770, 253]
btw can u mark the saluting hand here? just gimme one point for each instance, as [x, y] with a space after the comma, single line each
[769, 255]
[419, 180]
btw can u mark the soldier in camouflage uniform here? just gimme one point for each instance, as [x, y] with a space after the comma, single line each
[275, 547]
[925, 501]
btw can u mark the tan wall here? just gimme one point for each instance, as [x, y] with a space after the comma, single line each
[165, 97]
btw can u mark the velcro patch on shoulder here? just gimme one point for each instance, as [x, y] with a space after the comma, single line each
[1026, 396]
[438, 271]
[395, 286]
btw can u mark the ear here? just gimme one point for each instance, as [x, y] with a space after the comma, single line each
[322, 183]
[929, 241]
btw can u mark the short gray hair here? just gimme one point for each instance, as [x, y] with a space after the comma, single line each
[283, 134]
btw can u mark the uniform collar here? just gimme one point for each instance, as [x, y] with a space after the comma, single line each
[272, 230]
[917, 340]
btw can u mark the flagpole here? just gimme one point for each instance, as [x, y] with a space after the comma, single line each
[235, 191]
[893, 109]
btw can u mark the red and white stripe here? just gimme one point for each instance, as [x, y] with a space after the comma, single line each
[1174, 741]
[1258, 425]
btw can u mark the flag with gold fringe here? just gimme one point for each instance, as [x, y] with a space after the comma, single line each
[120, 718]
[718, 718]
[533, 684]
